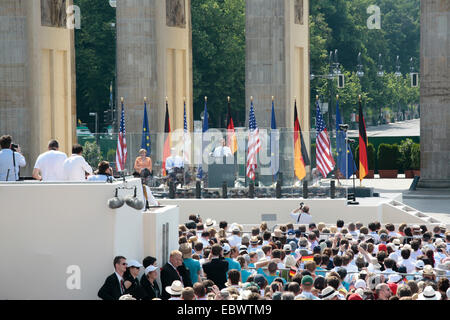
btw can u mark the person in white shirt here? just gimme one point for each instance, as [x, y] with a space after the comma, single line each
[223, 150]
[49, 165]
[10, 161]
[173, 162]
[406, 261]
[76, 167]
[301, 215]
[103, 173]
[235, 240]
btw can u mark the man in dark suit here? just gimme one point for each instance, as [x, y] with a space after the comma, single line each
[216, 269]
[114, 287]
[174, 270]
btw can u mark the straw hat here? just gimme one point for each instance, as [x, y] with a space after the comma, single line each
[429, 294]
[175, 289]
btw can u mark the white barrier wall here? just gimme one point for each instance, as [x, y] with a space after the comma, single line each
[52, 235]
[254, 211]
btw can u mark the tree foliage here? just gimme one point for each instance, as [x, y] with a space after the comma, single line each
[218, 41]
[95, 57]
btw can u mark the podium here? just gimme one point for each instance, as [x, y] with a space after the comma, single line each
[220, 170]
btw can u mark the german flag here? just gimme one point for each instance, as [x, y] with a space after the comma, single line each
[301, 159]
[363, 164]
[231, 136]
[307, 258]
[167, 137]
[292, 272]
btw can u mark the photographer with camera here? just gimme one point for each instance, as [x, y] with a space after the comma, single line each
[301, 215]
[10, 159]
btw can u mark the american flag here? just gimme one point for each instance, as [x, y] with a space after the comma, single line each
[187, 139]
[254, 144]
[324, 159]
[121, 153]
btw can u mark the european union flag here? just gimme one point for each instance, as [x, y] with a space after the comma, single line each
[205, 128]
[343, 158]
[145, 143]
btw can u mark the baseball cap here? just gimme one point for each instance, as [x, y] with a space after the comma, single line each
[150, 268]
[287, 247]
[134, 263]
[307, 280]
[355, 296]
[226, 248]
[420, 264]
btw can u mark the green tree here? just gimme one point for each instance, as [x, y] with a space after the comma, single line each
[95, 46]
[218, 42]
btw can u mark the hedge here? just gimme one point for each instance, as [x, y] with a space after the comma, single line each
[388, 157]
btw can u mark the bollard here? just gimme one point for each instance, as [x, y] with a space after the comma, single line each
[305, 189]
[198, 190]
[171, 190]
[332, 189]
[251, 190]
[224, 190]
[278, 190]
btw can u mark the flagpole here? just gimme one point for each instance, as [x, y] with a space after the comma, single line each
[273, 178]
[360, 181]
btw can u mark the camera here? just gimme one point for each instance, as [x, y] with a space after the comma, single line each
[14, 147]
[301, 204]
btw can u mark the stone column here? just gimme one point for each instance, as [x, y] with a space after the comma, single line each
[154, 60]
[37, 82]
[277, 60]
[435, 94]
[277, 64]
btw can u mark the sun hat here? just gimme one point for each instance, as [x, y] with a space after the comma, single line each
[134, 263]
[185, 250]
[242, 248]
[277, 233]
[428, 270]
[290, 261]
[209, 222]
[287, 247]
[150, 268]
[175, 289]
[254, 240]
[429, 294]
[396, 242]
[328, 293]
[448, 293]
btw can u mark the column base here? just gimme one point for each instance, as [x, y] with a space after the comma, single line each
[434, 183]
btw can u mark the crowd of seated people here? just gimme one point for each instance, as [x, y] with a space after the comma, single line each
[293, 262]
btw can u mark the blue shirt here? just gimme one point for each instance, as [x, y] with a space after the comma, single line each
[269, 277]
[245, 274]
[194, 267]
[232, 264]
